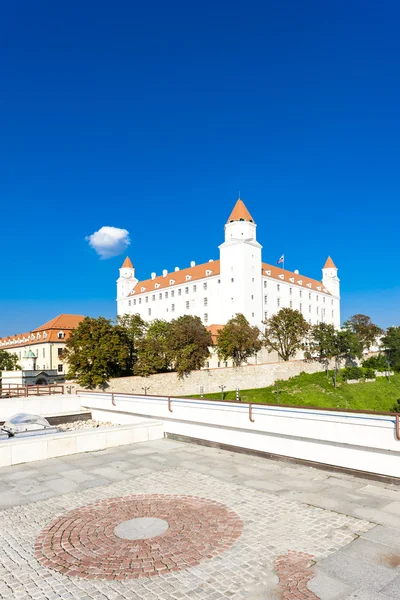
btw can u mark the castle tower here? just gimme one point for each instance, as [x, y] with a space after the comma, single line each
[330, 278]
[125, 284]
[240, 256]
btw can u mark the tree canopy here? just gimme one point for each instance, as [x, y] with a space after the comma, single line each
[366, 331]
[285, 333]
[391, 346]
[154, 350]
[238, 340]
[189, 344]
[96, 351]
[8, 361]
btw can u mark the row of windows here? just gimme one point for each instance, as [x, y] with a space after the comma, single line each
[59, 352]
[205, 302]
[205, 316]
[309, 297]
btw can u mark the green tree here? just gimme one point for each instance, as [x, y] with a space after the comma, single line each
[153, 351]
[285, 333]
[8, 361]
[134, 329]
[327, 343]
[189, 345]
[96, 351]
[238, 340]
[365, 330]
[321, 344]
[391, 346]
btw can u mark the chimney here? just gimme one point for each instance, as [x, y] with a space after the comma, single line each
[192, 263]
[164, 273]
[296, 271]
[211, 260]
[176, 269]
[153, 275]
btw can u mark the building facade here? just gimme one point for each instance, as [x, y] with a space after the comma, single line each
[238, 282]
[45, 343]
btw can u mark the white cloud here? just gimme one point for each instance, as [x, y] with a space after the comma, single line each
[109, 241]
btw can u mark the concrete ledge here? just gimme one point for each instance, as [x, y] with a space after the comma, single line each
[17, 451]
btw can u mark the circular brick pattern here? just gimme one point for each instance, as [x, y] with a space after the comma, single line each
[83, 543]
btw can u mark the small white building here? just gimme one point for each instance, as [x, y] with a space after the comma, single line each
[238, 282]
[29, 374]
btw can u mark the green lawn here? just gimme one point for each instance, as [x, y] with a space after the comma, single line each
[317, 390]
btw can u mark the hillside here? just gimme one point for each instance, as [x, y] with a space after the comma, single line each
[317, 390]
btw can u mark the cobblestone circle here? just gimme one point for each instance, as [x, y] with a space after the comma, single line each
[293, 570]
[82, 543]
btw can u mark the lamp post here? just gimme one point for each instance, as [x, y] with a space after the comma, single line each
[145, 388]
[222, 388]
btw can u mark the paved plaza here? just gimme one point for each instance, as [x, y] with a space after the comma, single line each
[173, 520]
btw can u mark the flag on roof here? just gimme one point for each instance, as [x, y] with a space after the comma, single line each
[281, 260]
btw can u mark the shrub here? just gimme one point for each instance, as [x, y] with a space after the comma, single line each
[369, 373]
[352, 373]
[378, 363]
[396, 406]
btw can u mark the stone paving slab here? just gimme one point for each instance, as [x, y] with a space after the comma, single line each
[285, 508]
[272, 526]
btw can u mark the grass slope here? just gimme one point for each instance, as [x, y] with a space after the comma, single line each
[317, 390]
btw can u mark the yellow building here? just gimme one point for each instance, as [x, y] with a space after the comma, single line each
[46, 343]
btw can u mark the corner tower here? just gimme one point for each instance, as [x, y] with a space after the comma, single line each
[125, 284]
[240, 256]
[330, 278]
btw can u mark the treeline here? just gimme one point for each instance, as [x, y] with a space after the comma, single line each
[100, 349]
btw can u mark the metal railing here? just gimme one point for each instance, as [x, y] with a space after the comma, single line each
[17, 390]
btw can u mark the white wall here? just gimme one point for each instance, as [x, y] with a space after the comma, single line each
[46, 406]
[356, 441]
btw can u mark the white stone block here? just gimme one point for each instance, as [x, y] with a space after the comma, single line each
[91, 441]
[61, 445]
[5, 454]
[23, 451]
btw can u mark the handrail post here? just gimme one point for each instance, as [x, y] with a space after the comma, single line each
[398, 427]
[251, 412]
[169, 404]
[112, 399]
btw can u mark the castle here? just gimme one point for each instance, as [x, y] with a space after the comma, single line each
[238, 282]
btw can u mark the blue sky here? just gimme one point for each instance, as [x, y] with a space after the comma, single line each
[152, 116]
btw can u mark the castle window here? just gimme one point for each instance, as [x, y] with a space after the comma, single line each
[149, 312]
[278, 301]
[291, 304]
[309, 308]
[60, 335]
[146, 299]
[332, 314]
[166, 294]
[205, 318]
[265, 284]
[301, 293]
[129, 302]
[309, 321]
[219, 281]
[331, 302]
[186, 290]
[265, 299]
[187, 305]
[232, 280]
[323, 299]
[208, 364]
[317, 310]
[252, 279]
[160, 296]
[134, 302]
[278, 287]
[195, 288]
[309, 295]
[140, 301]
[180, 292]
[59, 368]
[153, 297]
[172, 293]
[265, 316]
[205, 301]
[44, 352]
[205, 285]
[252, 314]
[172, 307]
[219, 364]
[252, 297]
[317, 298]
[290, 291]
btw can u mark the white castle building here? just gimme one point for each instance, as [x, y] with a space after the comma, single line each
[238, 282]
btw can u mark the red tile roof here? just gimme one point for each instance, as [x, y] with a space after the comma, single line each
[127, 264]
[329, 264]
[240, 213]
[177, 278]
[45, 333]
[294, 278]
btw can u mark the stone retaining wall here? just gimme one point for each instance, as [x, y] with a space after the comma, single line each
[245, 377]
